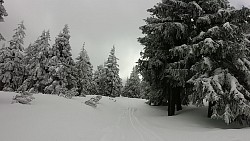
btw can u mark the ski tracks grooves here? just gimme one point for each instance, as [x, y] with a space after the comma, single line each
[144, 133]
[129, 127]
[131, 115]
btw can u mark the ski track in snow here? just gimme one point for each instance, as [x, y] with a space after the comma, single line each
[144, 129]
[131, 115]
[128, 128]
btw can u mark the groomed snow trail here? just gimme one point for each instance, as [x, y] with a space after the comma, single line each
[128, 127]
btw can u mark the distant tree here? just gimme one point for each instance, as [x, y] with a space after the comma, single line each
[84, 77]
[99, 80]
[2, 13]
[113, 83]
[123, 89]
[62, 66]
[132, 85]
[1, 37]
[11, 61]
[36, 62]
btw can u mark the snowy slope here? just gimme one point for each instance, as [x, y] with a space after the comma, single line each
[53, 118]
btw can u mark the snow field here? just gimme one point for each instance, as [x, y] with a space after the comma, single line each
[54, 118]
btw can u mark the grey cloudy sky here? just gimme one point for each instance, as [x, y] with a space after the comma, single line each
[100, 24]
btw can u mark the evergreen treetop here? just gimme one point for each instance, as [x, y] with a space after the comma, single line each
[17, 39]
[2, 11]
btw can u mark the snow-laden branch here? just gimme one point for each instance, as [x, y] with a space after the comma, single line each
[225, 90]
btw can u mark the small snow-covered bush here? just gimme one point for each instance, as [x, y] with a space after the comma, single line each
[8, 89]
[93, 101]
[97, 98]
[68, 93]
[23, 98]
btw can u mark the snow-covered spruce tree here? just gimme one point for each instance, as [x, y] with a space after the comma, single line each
[36, 62]
[132, 85]
[216, 51]
[62, 67]
[113, 82]
[220, 63]
[2, 13]
[99, 80]
[84, 77]
[124, 94]
[11, 61]
[145, 90]
[1, 37]
[168, 26]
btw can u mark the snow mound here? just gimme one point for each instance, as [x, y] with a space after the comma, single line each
[23, 98]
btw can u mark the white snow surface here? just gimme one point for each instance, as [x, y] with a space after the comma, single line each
[54, 118]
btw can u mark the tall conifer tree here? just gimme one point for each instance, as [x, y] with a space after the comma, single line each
[84, 73]
[62, 66]
[11, 61]
[99, 80]
[113, 83]
[2, 13]
[36, 62]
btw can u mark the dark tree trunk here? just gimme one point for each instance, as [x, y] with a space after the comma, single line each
[171, 102]
[210, 110]
[1, 85]
[178, 98]
[41, 88]
[164, 101]
[111, 93]
[79, 91]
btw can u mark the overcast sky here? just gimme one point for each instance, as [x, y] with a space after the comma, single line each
[100, 24]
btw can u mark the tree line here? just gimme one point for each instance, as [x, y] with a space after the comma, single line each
[42, 68]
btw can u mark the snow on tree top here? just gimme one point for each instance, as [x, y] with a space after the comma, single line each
[180, 26]
[227, 26]
[209, 43]
[204, 19]
[213, 30]
[224, 12]
[197, 6]
[208, 62]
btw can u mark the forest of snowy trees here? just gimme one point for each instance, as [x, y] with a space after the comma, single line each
[40, 68]
[194, 50]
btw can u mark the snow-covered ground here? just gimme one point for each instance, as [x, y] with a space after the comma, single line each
[53, 118]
